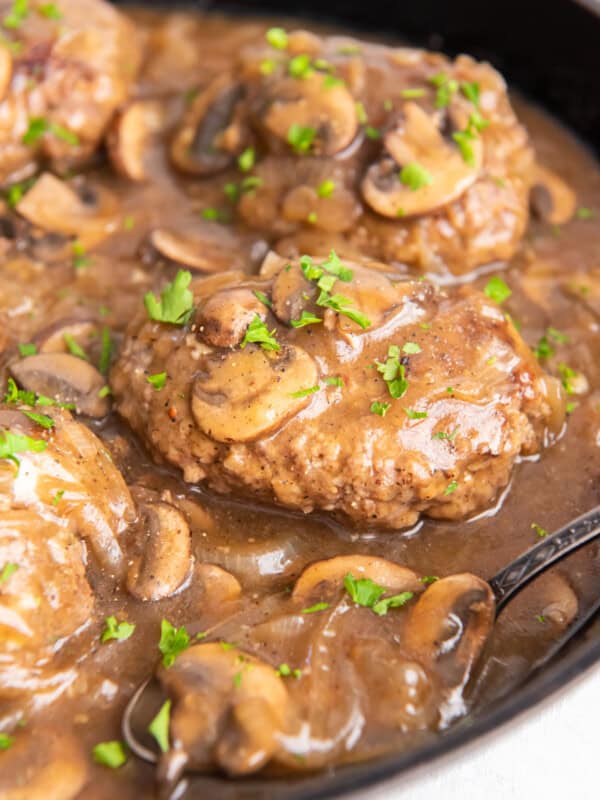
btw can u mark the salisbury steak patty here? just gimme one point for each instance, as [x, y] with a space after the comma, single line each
[321, 385]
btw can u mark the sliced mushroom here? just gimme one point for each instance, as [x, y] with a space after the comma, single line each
[219, 585]
[329, 111]
[417, 140]
[65, 378]
[166, 560]
[52, 338]
[224, 318]
[228, 708]
[241, 395]
[552, 200]
[129, 139]
[331, 573]
[195, 250]
[210, 135]
[292, 294]
[56, 207]
[449, 626]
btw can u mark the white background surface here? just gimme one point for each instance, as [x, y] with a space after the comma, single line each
[550, 753]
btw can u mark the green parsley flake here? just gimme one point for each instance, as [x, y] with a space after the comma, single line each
[300, 66]
[6, 741]
[74, 348]
[247, 159]
[315, 608]
[568, 377]
[231, 192]
[41, 419]
[584, 213]
[285, 671]
[558, 336]
[543, 349]
[372, 133]
[312, 217]
[58, 497]
[257, 332]
[277, 38]
[570, 407]
[429, 579]
[173, 641]
[388, 105]
[110, 754]
[263, 298]
[326, 188]
[306, 318]
[305, 392]
[446, 88]
[210, 214]
[464, 140]
[12, 443]
[50, 11]
[176, 301]
[39, 127]
[106, 350]
[541, 618]
[157, 380]
[412, 414]
[410, 94]
[80, 257]
[15, 193]
[361, 113]
[380, 409]
[116, 630]
[394, 373]
[19, 11]
[104, 391]
[8, 570]
[415, 176]
[27, 349]
[365, 592]
[497, 290]
[541, 532]
[301, 137]
[250, 183]
[444, 435]
[411, 348]
[341, 304]
[452, 487]
[334, 381]
[267, 66]
[159, 727]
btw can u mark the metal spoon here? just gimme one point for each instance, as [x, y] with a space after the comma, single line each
[505, 585]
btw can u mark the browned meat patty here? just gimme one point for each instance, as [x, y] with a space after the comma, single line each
[61, 80]
[415, 158]
[354, 393]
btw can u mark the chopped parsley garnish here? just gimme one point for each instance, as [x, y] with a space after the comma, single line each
[361, 113]
[38, 127]
[27, 349]
[335, 270]
[393, 372]
[464, 140]
[306, 318]
[128, 222]
[326, 188]
[450, 389]
[329, 81]
[247, 159]
[8, 570]
[305, 392]
[411, 348]
[558, 336]
[176, 301]
[316, 607]
[334, 380]
[541, 618]
[445, 86]
[471, 91]
[491, 360]
[541, 532]
[110, 754]
[372, 133]
[277, 38]
[365, 592]
[15, 193]
[250, 183]
[210, 214]
[477, 122]
[570, 407]
[497, 290]
[543, 349]
[301, 137]
[116, 630]
[388, 104]
[412, 414]
[159, 727]
[284, 671]
[41, 419]
[567, 376]
[444, 435]
[17, 396]
[106, 350]
[6, 741]
[312, 217]
[452, 487]
[410, 94]
[80, 257]
[341, 304]
[257, 332]
[415, 176]
[300, 66]
[58, 497]
[380, 409]
[429, 579]
[13, 443]
[74, 348]
[263, 298]
[267, 66]
[157, 380]
[104, 391]
[231, 192]
[50, 11]
[584, 213]
[19, 11]
[173, 641]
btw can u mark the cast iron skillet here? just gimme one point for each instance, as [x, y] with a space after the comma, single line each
[549, 50]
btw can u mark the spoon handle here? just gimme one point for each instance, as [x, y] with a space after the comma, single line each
[512, 578]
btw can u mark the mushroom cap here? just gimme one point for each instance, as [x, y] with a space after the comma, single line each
[199, 250]
[243, 394]
[210, 135]
[332, 571]
[417, 139]
[128, 140]
[308, 103]
[551, 198]
[223, 320]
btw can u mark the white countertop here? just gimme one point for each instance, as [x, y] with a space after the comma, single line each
[550, 752]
